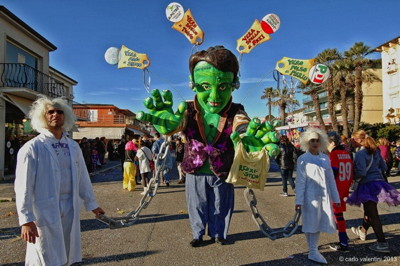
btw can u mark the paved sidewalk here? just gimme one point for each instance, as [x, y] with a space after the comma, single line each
[162, 234]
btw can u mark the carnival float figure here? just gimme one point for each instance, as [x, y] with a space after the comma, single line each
[214, 127]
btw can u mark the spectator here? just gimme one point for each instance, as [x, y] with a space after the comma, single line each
[129, 181]
[386, 153]
[180, 150]
[86, 152]
[121, 152]
[95, 156]
[110, 149]
[144, 156]
[316, 190]
[342, 166]
[286, 161]
[397, 154]
[345, 143]
[371, 188]
[156, 149]
[101, 148]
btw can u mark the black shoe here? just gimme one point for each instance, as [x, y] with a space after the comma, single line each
[167, 183]
[339, 247]
[218, 240]
[196, 242]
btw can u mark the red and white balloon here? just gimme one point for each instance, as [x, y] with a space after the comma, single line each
[270, 23]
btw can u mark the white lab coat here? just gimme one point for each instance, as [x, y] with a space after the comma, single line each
[315, 191]
[37, 187]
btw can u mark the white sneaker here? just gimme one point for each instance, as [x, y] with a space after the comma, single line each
[382, 247]
[144, 191]
[317, 257]
[359, 233]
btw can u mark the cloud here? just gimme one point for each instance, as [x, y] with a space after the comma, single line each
[255, 80]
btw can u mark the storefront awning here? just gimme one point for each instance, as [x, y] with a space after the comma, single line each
[94, 132]
[137, 132]
[23, 104]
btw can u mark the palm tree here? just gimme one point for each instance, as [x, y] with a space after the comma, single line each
[357, 54]
[313, 90]
[268, 93]
[281, 98]
[340, 75]
[328, 57]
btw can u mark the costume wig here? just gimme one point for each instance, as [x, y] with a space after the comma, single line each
[309, 134]
[37, 114]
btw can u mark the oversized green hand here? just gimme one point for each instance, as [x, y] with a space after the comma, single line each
[257, 136]
[160, 113]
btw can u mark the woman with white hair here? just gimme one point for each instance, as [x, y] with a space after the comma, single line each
[315, 190]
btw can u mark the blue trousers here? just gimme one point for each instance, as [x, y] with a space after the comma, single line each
[210, 203]
[287, 175]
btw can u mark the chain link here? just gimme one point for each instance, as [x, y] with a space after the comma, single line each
[287, 231]
[154, 183]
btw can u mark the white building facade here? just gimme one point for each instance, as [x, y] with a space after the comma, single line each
[390, 53]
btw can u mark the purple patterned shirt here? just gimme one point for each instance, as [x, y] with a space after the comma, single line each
[220, 152]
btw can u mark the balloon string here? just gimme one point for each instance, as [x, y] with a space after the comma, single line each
[195, 49]
[148, 81]
[170, 85]
[251, 88]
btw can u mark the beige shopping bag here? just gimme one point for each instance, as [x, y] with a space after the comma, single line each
[249, 168]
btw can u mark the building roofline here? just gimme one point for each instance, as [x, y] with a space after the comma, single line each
[65, 76]
[11, 15]
[379, 47]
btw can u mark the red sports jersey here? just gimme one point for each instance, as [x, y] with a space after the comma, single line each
[342, 164]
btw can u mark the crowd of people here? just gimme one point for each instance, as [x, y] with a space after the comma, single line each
[327, 171]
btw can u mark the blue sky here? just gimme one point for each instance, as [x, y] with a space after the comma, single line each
[82, 30]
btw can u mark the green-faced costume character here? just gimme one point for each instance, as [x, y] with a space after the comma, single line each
[212, 125]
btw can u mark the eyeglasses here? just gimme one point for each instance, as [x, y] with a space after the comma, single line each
[60, 112]
[314, 140]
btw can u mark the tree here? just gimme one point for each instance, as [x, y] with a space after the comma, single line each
[340, 75]
[281, 98]
[357, 53]
[313, 90]
[268, 93]
[328, 57]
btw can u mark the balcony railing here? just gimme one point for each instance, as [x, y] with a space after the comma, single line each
[17, 75]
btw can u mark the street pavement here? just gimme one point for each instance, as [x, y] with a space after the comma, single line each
[162, 234]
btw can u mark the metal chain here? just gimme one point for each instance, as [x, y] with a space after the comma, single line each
[272, 234]
[133, 216]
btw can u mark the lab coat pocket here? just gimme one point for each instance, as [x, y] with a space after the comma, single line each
[46, 211]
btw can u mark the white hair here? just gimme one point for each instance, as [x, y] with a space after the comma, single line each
[306, 136]
[37, 114]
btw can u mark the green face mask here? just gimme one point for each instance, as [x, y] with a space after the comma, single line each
[213, 87]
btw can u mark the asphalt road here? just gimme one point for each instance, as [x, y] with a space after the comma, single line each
[162, 234]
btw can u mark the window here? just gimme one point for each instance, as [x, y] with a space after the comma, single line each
[93, 115]
[15, 54]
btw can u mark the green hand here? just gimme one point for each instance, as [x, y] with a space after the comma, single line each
[257, 136]
[160, 113]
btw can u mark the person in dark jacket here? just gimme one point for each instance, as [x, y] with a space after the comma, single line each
[286, 161]
[121, 152]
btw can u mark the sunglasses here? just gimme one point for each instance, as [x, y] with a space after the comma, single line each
[60, 112]
[314, 140]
